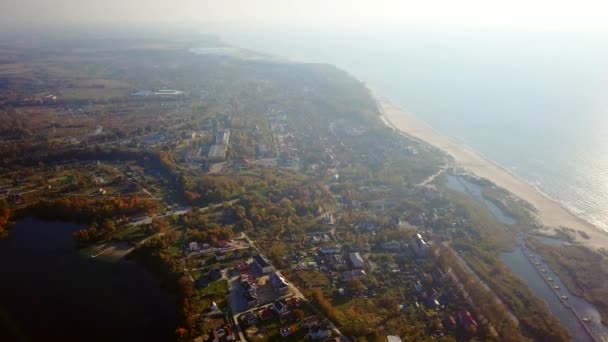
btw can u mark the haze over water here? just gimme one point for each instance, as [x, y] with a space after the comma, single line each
[536, 104]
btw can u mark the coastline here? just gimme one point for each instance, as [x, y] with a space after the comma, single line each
[550, 213]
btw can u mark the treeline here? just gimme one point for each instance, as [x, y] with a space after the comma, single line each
[86, 209]
[213, 189]
[200, 229]
[101, 212]
[484, 301]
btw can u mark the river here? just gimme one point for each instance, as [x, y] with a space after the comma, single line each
[522, 262]
[51, 292]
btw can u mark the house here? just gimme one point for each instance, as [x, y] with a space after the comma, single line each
[336, 262]
[266, 313]
[249, 318]
[318, 331]
[242, 267]
[263, 264]
[466, 321]
[449, 322]
[391, 338]
[247, 286]
[217, 153]
[361, 247]
[432, 303]
[168, 92]
[193, 246]
[286, 331]
[262, 150]
[215, 274]
[219, 256]
[294, 302]
[279, 283]
[242, 164]
[356, 260]
[392, 246]
[313, 240]
[354, 275]
[328, 218]
[367, 226]
[222, 334]
[280, 307]
[251, 298]
[214, 307]
[331, 249]
[223, 137]
[420, 247]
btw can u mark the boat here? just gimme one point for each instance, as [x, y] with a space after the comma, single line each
[585, 319]
[537, 263]
[564, 297]
[556, 287]
[549, 279]
[543, 270]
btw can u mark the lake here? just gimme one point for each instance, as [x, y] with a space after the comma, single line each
[51, 292]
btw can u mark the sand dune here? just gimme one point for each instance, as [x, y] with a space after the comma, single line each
[549, 212]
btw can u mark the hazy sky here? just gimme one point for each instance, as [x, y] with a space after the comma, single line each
[579, 15]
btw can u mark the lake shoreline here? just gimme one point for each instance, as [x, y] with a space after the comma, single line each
[550, 213]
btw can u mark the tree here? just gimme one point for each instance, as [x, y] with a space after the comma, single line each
[81, 235]
[356, 285]
[239, 211]
[181, 333]
[299, 314]
[108, 226]
[247, 225]
[159, 225]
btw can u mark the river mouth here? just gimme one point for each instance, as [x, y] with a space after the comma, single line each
[51, 292]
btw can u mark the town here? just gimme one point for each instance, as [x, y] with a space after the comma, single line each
[277, 207]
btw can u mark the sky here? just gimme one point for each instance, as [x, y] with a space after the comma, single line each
[369, 15]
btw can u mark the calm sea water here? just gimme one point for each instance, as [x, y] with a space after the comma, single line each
[535, 103]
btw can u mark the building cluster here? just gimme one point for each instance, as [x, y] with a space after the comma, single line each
[37, 100]
[217, 151]
[161, 93]
[284, 139]
[416, 247]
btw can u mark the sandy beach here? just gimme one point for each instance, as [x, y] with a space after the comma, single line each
[550, 213]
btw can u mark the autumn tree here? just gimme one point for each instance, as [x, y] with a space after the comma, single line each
[299, 314]
[108, 226]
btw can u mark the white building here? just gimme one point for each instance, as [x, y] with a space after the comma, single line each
[356, 260]
[193, 246]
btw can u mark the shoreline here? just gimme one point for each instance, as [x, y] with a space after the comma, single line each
[549, 212]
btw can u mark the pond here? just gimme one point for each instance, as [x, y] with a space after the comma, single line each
[51, 292]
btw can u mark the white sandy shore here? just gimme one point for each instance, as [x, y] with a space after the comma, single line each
[549, 212]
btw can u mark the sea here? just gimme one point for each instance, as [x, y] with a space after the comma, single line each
[536, 103]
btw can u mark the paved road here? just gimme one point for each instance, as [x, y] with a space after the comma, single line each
[180, 212]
